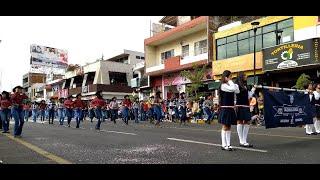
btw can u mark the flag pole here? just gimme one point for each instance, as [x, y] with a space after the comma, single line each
[278, 88]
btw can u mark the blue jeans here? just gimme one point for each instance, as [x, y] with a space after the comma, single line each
[34, 114]
[125, 114]
[114, 114]
[26, 115]
[61, 114]
[5, 119]
[69, 115]
[209, 114]
[176, 113]
[78, 116]
[91, 114]
[42, 115]
[17, 114]
[98, 114]
[136, 115]
[158, 113]
[142, 115]
[51, 115]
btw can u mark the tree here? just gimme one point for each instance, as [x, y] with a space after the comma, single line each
[195, 76]
[303, 81]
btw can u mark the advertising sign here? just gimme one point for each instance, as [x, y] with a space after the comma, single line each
[291, 55]
[48, 56]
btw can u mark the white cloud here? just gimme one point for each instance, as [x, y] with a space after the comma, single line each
[85, 38]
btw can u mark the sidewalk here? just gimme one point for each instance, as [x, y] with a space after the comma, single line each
[12, 152]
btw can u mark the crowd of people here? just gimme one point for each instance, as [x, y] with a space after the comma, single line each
[238, 104]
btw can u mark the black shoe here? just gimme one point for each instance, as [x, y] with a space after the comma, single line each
[97, 129]
[226, 148]
[246, 145]
[6, 132]
[114, 121]
[68, 125]
[77, 126]
[314, 133]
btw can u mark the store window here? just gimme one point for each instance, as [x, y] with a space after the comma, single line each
[118, 78]
[243, 43]
[200, 47]
[167, 55]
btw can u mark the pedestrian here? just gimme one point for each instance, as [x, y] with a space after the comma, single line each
[183, 108]
[78, 105]
[5, 103]
[176, 108]
[135, 108]
[98, 102]
[243, 109]
[142, 110]
[51, 109]
[42, 108]
[17, 100]
[61, 111]
[157, 105]
[150, 109]
[317, 105]
[208, 105]
[114, 108]
[227, 115]
[127, 105]
[170, 110]
[309, 127]
[68, 104]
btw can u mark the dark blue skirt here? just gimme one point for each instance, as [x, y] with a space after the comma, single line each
[243, 113]
[318, 112]
[227, 116]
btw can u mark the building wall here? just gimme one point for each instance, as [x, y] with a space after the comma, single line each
[190, 39]
[102, 75]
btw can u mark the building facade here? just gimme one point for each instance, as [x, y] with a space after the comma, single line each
[234, 49]
[174, 50]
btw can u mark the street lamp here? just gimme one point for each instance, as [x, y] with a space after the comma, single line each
[278, 34]
[255, 25]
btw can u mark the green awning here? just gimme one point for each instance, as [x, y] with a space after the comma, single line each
[213, 85]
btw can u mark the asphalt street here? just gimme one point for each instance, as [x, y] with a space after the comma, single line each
[143, 143]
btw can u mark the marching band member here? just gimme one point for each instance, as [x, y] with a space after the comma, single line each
[17, 100]
[68, 104]
[5, 103]
[227, 115]
[78, 109]
[127, 104]
[317, 104]
[243, 109]
[114, 108]
[98, 102]
[309, 127]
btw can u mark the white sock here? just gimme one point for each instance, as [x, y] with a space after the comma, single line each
[317, 125]
[223, 138]
[240, 132]
[245, 133]
[308, 129]
[228, 137]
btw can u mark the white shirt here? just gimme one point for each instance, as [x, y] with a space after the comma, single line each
[316, 95]
[230, 87]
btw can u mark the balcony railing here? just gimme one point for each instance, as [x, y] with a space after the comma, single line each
[138, 65]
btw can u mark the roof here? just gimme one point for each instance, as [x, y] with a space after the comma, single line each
[170, 20]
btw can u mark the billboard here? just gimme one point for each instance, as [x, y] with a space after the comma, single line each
[291, 55]
[48, 57]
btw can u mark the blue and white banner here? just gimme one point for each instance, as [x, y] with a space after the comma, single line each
[286, 109]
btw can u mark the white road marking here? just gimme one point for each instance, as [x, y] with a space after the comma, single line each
[119, 132]
[217, 145]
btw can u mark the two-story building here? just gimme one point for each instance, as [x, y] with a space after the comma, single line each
[176, 49]
[112, 76]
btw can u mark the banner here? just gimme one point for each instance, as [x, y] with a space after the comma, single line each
[286, 109]
[48, 56]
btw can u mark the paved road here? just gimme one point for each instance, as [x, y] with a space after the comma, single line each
[144, 143]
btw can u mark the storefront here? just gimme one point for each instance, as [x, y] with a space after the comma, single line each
[283, 64]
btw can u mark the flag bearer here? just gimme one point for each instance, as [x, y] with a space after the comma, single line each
[243, 109]
[227, 115]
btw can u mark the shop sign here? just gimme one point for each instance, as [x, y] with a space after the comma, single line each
[291, 55]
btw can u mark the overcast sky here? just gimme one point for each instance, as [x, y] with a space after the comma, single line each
[85, 39]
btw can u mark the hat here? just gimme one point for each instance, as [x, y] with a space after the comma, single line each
[18, 87]
[182, 93]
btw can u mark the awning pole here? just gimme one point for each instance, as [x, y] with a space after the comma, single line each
[277, 88]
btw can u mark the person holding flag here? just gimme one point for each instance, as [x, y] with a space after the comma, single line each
[243, 109]
[317, 105]
[227, 115]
